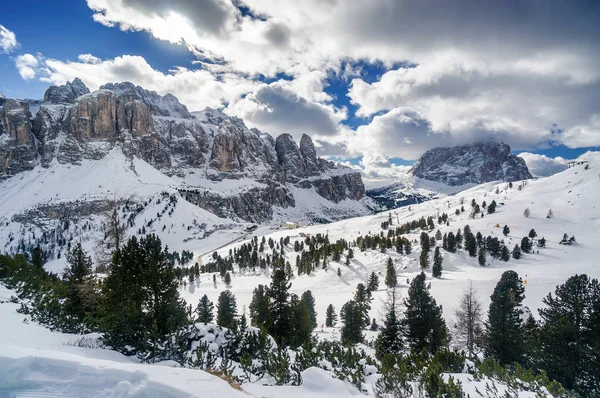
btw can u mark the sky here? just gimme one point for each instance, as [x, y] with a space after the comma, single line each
[374, 82]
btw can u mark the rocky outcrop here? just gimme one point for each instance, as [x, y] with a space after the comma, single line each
[94, 116]
[17, 146]
[67, 93]
[471, 164]
[72, 125]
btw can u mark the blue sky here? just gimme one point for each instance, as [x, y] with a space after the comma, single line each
[375, 83]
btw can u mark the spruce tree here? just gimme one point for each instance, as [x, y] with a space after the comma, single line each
[504, 332]
[425, 328]
[226, 310]
[451, 242]
[437, 263]
[471, 245]
[373, 283]
[204, 310]
[532, 233]
[505, 230]
[227, 279]
[353, 322]
[390, 274]
[309, 300]
[390, 339]
[505, 254]
[525, 245]
[260, 307]
[569, 335]
[330, 316]
[301, 322]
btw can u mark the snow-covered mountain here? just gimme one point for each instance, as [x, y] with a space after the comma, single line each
[69, 156]
[444, 171]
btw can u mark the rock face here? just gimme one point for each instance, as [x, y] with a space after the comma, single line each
[471, 164]
[66, 94]
[73, 125]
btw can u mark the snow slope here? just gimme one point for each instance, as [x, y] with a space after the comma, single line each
[572, 196]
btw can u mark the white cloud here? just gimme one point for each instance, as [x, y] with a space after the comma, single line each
[26, 65]
[8, 40]
[88, 59]
[542, 165]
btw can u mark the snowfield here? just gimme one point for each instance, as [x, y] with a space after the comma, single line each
[36, 362]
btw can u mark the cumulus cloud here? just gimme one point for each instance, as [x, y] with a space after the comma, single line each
[542, 165]
[8, 40]
[27, 65]
[277, 108]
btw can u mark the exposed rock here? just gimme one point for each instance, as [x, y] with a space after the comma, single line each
[340, 187]
[471, 164]
[133, 116]
[309, 155]
[48, 123]
[17, 146]
[289, 157]
[94, 116]
[168, 105]
[67, 93]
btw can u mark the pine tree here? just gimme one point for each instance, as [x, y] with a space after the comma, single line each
[373, 283]
[37, 258]
[309, 300]
[425, 328]
[353, 322]
[468, 319]
[390, 339]
[451, 242]
[226, 310]
[481, 257]
[516, 253]
[204, 310]
[492, 207]
[505, 230]
[542, 242]
[438, 235]
[504, 332]
[330, 316]
[471, 245]
[390, 274]
[301, 322]
[569, 335]
[437, 263]
[532, 233]
[227, 279]
[259, 308]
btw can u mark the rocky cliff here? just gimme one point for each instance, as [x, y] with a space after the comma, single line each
[471, 164]
[204, 153]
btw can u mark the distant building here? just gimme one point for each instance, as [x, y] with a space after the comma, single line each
[290, 225]
[576, 163]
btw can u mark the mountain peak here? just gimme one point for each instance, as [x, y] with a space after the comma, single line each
[67, 93]
[471, 164]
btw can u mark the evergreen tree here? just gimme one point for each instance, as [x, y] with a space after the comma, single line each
[227, 279]
[437, 263]
[390, 274]
[481, 257]
[424, 238]
[204, 310]
[569, 335]
[226, 310]
[532, 233]
[80, 296]
[390, 339]
[301, 322]
[438, 235]
[505, 254]
[373, 283]
[525, 245]
[330, 316]
[353, 322]
[504, 332]
[309, 300]
[363, 302]
[37, 258]
[424, 259]
[260, 307]
[471, 245]
[468, 319]
[281, 328]
[425, 328]
[505, 230]
[542, 242]
[516, 253]
[140, 296]
[492, 207]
